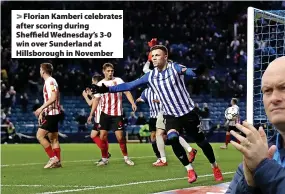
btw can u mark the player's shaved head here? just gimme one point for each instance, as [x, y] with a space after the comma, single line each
[273, 89]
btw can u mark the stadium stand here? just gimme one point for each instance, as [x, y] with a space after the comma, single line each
[196, 34]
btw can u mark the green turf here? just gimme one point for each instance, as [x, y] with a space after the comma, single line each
[25, 172]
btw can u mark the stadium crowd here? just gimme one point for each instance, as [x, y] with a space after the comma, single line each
[196, 34]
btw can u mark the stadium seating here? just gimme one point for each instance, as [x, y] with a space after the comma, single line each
[27, 123]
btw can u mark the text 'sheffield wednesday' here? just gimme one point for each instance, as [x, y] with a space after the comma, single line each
[67, 34]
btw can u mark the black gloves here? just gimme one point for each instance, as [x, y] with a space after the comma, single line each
[95, 89]
[200, 70]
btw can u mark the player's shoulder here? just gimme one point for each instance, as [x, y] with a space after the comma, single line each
[236, 106]
[118, 79]
[51, 81]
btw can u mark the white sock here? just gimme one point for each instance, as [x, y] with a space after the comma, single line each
[184, 144]
[126, 157]
[163, 159]
[189, 167]
[161, 146]
[104, 159]
[214, 164]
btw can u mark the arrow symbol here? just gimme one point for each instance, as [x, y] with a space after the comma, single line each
[19, 16]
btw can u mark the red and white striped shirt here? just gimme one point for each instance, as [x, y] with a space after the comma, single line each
[49, 87]
[111, 103]
[97, 113]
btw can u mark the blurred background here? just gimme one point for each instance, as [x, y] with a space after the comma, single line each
[211, 35]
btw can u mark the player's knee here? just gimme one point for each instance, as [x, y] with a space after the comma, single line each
[202, 143]
[40, 137]
[54, 141]
[173, 136]
[159, 132]
[93, 134]
[103, 137]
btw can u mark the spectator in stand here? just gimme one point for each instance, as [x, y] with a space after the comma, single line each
[81, 119]
[36, 105]
[144, 133]
[7, 101]
[12, 93]
[132, 120]
[24, 102]
[62, 115]
[141, 120]
[3, 115]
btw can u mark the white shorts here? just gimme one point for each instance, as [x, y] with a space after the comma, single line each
[160, 121]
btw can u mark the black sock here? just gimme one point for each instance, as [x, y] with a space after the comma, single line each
[155, 149]
[179, 152]
[207, 150]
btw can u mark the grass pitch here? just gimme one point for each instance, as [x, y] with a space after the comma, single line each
[22, 170]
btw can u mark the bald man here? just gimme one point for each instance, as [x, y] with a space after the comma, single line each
[263, 167]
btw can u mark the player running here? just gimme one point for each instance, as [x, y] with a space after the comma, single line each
[232, 124]
[111, 114]
[49, 116]
[167, 81]
[94, 135]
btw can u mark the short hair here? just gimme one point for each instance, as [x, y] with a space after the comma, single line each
[96, 78]
[47, 68]
[106, 65]
[235, 100]
[161, 47]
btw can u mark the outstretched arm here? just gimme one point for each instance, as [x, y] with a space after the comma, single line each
[131, 100]
[184, 70]
[129, 85]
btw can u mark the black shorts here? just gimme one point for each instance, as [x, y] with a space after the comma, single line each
[96, 126]
[233, 128]
[190, 122]
[50, 123]
[111, 123]
[152, 124]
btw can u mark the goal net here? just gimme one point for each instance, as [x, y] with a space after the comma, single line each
[265, 42]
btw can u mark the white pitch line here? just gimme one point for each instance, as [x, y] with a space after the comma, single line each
[63, 186]
[126, 184]
[71, 161]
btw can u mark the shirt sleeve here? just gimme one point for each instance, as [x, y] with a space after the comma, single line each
[51, 86]
[130, 85]
[120, 81]
[188, 71]
[143, 97]
[270, 176]
[239, 185]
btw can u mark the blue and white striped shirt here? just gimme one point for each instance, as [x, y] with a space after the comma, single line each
[148, 96]
[168, 85]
